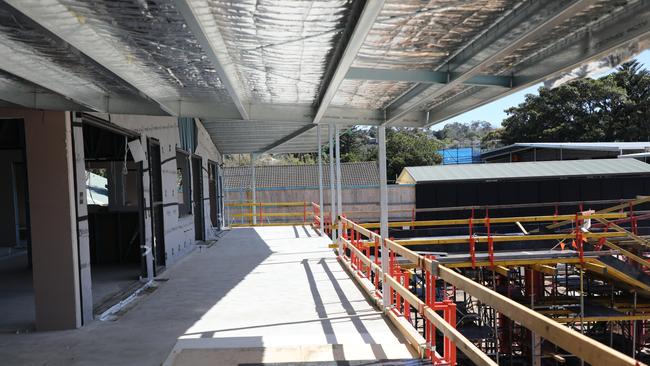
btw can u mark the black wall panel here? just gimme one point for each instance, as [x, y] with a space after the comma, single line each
[432, 195]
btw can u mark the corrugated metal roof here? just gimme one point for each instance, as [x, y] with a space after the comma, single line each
[361, 174]
[288, 63]
[539, 169]
[596, 146]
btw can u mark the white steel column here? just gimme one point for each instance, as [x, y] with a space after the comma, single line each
[253, 189]
[383, 207]
[330, 136]
[320, 180]
[339, 195]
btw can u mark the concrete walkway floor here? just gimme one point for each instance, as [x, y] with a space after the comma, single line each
[259, 295]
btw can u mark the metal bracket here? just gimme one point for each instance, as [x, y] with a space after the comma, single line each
[435, 268]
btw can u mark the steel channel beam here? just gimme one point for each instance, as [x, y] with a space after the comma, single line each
[81, 36]
[215, 48]
[566, 10]
[426, 77]
[595, 41]
[367, 19]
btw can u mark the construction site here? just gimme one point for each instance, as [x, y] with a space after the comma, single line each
[125, 240]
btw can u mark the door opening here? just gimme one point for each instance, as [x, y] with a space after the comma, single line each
[197, 197]
[115, 204]
[157, 208]
[17, 301]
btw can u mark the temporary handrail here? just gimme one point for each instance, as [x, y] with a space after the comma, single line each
[629, 234]
[578, 344]
[621, 206]
[266, 204]
[530, 205]
[411, 211]
[495, 220]
[264, 214]
[464, 344]
[505, 238]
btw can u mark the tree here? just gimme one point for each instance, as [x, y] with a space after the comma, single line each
[463, 134]
[631, 121]
[492, 139]
[404, 147]
[613, 108]
[409, 147]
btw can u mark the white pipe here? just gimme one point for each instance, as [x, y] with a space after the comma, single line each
[383, 207]
[330, 135]
[339, 194]
[253, 189]
[320, 180]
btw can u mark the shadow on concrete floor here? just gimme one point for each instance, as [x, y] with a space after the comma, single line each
[146, 334]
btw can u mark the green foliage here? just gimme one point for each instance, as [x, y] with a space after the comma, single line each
[404, 147]
[492, 139]
[463, 134]
[613, 108]
[409, 147]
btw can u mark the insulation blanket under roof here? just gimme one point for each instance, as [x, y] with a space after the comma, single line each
[553, 39]
[280, 48]
[154, 37]
[24, 43]
[415, 34]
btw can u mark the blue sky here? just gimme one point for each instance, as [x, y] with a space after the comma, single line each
[494, 112]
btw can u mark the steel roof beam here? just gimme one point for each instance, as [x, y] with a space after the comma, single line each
[215, 48]
[599, 39]
[42, 73]
[84, 38]
[287, 113]
[366, 20]
[33, 97]
[472, 60]
[426, 77]
[286, 138]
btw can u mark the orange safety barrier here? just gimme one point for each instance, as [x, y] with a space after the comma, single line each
[578, 240]
[602, 241]
[633, 221]
[472, 243]
[402, 300]
[262, 213]
[490, 240]
[448, 308]
[316, 215]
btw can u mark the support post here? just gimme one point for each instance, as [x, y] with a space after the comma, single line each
[582, 300]
[320, 182]
[383, 210]
[339, 194]
[330, 136]
[57, 278]
[253, 190]
[634, 330]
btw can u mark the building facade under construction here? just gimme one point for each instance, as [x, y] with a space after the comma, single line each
[117, 245]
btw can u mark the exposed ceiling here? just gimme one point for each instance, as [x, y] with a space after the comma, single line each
[260, 74]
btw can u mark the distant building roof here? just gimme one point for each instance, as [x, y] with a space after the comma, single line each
[361, 174]
[526, 170]
[594, 146]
